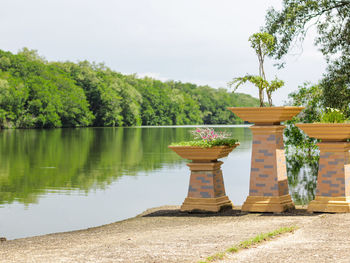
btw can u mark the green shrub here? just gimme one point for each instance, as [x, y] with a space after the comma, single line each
[331, 115]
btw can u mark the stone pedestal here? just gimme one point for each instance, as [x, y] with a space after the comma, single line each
[268, 191]
[206, 191]
[333, 188]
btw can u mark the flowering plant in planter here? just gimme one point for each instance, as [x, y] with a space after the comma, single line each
[206, 191]
[207, 138]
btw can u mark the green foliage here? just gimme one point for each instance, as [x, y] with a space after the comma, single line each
[207, 144]
[331, 115]
[263, 43]
[213, 102]
[35, 93]
[258, 81]
[310, 97]
[335, 86]
[102, 91]
[331, 18]
[272, 87]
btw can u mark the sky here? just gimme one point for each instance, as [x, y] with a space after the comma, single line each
[198, 41]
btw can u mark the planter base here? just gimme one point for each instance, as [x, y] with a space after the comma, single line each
[275, 204]
[205, 204]
[206, 191]
[333, 189]
[330, 204]
[268, 190]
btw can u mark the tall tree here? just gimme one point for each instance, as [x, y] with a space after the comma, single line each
[331, 18]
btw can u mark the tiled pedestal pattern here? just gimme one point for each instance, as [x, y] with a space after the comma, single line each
[268, 190]
[206, 191]
[333, 180]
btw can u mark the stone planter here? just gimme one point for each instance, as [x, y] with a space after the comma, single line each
[333, 189]
[268, 190]
[206, 191]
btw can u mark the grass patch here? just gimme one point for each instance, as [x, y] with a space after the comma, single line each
[217, 256]
[251, 242]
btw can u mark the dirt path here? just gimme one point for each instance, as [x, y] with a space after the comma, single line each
[325, 239]
[167, 235]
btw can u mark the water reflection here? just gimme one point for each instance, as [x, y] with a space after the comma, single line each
[34, 162]
[302, 158]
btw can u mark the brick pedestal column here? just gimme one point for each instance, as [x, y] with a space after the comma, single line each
[206, 191]
[333, 180]
[268, 190]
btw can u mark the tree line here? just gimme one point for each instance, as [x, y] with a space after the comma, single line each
[35, 93]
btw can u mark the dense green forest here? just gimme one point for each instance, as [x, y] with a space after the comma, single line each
[35, 93]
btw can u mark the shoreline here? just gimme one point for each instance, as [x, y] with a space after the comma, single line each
[165, 210]
[161, 234]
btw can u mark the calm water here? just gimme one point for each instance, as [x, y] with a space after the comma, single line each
[68, 179]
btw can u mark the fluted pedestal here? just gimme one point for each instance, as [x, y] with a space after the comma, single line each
[206, 191]
[333, 188]
[268, 191]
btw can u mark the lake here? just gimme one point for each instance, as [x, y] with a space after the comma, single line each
[68, 179]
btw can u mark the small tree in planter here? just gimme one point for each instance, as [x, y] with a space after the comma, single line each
[263, 44]
[268, 191]
[206, 191]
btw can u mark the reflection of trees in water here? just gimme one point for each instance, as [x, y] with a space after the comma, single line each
[34, 162]
[302, 158]
[302, 176]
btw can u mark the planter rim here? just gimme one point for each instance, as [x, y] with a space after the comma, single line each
[326, 131]
[319, 124]
[200, 154]
[266, 115]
